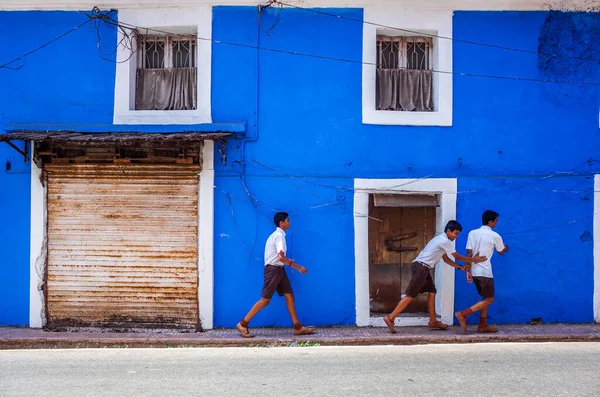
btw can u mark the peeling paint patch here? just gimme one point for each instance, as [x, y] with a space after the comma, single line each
[568, 44]
[585, 237]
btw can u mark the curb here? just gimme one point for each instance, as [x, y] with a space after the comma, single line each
[75, 343]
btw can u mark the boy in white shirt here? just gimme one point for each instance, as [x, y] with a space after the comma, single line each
[483, 241]
[439, 247]
[276, 279]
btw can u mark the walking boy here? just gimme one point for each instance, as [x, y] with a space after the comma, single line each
[440, 247]
[483, 241]
[276, 279]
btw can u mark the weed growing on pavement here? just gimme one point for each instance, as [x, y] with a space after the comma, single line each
[308, 343]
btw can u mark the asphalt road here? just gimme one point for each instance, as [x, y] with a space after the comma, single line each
[523, 369]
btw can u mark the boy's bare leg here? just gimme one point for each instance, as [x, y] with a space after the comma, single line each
[481, 305]
[483, 316]
[484, 327]
[404, 302]
[289, 302]
[242, 326]
[389, 319]
[258, 306]
[299, 329]
[433, 321]
[431, 307]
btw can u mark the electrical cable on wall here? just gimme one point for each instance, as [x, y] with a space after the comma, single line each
[442, 172]
[496, 46]
[134, 28]
[548, 227]
[330, 203]
[127, 39]
[126, 30]
[22, 57]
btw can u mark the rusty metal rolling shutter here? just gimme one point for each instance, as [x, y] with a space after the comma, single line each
[122, 246]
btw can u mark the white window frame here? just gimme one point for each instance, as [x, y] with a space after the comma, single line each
[197, 21]
[596, 225]
[436, 23]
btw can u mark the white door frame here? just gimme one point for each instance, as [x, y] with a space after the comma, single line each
[38, 244]
[446, 189]
[206, 213]
[596, 215]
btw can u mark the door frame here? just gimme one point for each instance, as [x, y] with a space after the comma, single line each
[39, 241]
[446, 189]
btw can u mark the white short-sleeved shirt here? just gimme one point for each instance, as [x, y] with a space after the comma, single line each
[435, 249]
[275, 244]
[482, 241]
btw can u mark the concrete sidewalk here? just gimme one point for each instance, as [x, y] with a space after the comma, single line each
[23, 338]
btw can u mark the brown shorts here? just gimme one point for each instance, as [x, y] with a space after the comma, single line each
[485, 286]
[276, 279]
[420, 280]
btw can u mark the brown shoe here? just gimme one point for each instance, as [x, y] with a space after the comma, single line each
[390, 324]
[304, 330]
[487, 329]
[462, 320]
[243, 331]
[437, 325]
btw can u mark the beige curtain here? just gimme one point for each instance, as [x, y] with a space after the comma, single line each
[407, 90]
[166, 89]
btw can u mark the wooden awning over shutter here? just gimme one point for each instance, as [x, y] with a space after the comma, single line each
[51, 139]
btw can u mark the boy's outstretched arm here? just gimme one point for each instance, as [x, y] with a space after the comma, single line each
[291, 263]
[469, 259]
[452, 263]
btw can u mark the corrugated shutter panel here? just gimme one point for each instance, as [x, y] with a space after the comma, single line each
[122, 246]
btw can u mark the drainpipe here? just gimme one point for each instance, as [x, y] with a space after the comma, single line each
[259, 9]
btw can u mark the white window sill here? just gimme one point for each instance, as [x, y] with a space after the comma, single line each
[198, 116]
[391, 117]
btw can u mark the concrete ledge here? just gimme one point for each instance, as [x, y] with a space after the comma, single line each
[26, 338]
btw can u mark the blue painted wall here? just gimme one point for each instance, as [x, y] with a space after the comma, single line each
[548, 271]
[520, 147]
[14, 237]
[506, 129]
[66, 82]
[308, 116]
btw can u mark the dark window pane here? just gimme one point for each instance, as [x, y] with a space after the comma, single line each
[387, 54]
[417, 56]
[184, 54]
[154, 55]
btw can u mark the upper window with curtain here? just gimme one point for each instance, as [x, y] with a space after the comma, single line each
[166, 73]
[404, 75]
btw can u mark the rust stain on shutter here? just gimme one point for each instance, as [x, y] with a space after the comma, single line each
[123, 246]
